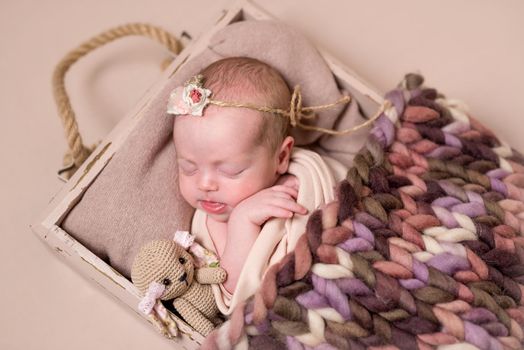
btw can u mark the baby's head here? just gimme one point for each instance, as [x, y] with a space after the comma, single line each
[250, 81]
[230, 153]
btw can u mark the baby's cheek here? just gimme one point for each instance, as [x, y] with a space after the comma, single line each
[247, 190]
[186, 191]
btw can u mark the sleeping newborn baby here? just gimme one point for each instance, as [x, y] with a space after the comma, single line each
[238, 168]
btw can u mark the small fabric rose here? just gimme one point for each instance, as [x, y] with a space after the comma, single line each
[195, 96]
[190, 99]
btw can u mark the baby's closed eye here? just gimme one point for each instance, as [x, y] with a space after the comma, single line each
[186, 167]
[231, 171]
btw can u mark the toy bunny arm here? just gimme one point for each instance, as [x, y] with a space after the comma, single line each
[210, 275]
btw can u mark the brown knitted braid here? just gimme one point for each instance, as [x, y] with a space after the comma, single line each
[78, 152]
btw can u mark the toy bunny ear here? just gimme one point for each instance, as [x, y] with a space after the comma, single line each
[184, 238]
[154, 292]
[151, 306]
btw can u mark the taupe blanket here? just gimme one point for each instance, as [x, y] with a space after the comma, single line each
[135, 199]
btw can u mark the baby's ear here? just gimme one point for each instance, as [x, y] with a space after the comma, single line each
[284, 154]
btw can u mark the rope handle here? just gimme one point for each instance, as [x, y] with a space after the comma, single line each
[78, 152]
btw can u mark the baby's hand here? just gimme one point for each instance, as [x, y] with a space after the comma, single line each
[278, 201]
[289, 181]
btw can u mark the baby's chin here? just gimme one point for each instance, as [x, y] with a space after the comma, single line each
[223, 218]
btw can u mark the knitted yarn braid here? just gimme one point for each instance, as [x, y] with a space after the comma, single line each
[423, 248]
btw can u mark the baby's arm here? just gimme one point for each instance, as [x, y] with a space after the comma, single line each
[246, 221]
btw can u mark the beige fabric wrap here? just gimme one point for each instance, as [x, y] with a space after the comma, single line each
[318, 178]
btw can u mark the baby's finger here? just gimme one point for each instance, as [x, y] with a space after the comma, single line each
[279, 212]
[288, 181]
[286, 189]
[284, 195]
[290, 205]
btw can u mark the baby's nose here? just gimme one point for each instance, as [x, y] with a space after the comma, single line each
[207, 183]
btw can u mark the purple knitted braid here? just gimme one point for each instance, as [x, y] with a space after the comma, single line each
[422, 248]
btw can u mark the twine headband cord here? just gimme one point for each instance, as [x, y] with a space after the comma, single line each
[78, 152]
[192, 99]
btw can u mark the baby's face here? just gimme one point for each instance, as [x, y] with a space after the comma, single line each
[219, 160]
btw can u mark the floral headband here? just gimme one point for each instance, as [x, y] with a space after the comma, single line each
[192, 98]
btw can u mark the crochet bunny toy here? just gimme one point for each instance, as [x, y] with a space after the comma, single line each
[166, 270]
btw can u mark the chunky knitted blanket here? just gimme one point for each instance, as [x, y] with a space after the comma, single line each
[422, 249]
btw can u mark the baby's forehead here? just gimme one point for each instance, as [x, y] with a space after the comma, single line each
[235, 124]
[231, 117]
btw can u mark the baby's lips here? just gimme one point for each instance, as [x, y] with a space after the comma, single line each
[213, 207]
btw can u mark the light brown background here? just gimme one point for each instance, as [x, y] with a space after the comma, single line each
[470, 49]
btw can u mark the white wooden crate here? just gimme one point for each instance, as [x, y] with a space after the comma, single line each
[47, 226]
